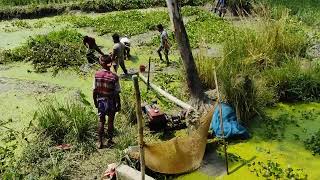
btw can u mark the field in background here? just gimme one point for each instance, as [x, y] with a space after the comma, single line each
[269, 54]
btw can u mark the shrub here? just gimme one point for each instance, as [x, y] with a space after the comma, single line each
[40, 160]
[306, 11]
[43, 8]
[72, 122]
[250, 53]
[56, 50]
[313, 143]
[292, 83]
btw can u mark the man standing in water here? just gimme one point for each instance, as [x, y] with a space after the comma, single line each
[118, 54]
[90, 43]
[106, 97]
[164, 43]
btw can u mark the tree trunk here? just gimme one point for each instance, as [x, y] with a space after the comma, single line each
[181, 36]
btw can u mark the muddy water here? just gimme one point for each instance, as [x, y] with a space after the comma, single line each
[26, 87]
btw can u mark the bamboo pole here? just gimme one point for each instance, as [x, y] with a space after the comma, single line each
[221, 122]
[149, 69]
[140, 125]
[167, 95]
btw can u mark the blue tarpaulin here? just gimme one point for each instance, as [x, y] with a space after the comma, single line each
[231, 126]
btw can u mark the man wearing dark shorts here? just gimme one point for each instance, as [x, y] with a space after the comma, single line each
[118, 54]
[90, 43]
[106, 97]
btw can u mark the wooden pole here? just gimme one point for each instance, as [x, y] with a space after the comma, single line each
[221, 121]
[167, 95]
[149, 69]
[181, 36]
[140, 125]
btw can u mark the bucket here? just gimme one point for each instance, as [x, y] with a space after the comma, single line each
[142, 68]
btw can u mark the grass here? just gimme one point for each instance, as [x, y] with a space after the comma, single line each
[306, 11]
[252, 58]
[42, 8]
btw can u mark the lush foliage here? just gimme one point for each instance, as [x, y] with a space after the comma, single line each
[292, 82]
[130, 23]
[27, 2]
[207, 28]
[202, 27]
[306, 11]
[260, 67]
[71, 122]
[56, 7]
[56, 50]
[313, 143]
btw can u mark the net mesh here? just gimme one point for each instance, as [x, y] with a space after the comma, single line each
[180, 154]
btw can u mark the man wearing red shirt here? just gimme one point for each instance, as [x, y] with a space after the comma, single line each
[106, 97]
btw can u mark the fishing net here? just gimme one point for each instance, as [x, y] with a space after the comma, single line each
[180, 154]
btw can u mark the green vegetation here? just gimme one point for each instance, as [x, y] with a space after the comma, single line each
[275, 127]
[306, 11]
[208, 28]
[46, 8]
[27, 2]
[313, 143]
[56, 123]
[249, 58]
[273, 170]
[261, 66]
[56, 50]
[130, 23]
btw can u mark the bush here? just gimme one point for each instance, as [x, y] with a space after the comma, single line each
[40, 160]
[250, 53]
[56, 50]
[72, 122]
[313, 143]
[306, 11]
[292, 83]
[48, 9]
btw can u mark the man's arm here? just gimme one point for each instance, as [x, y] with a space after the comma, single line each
[118, 102]
[94, 96]
[98, 50]
[85, 43]
[114, 54]
[117, 95]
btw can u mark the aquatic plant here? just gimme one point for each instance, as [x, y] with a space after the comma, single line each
[56, 50]
[313, 143]
[273, 170]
